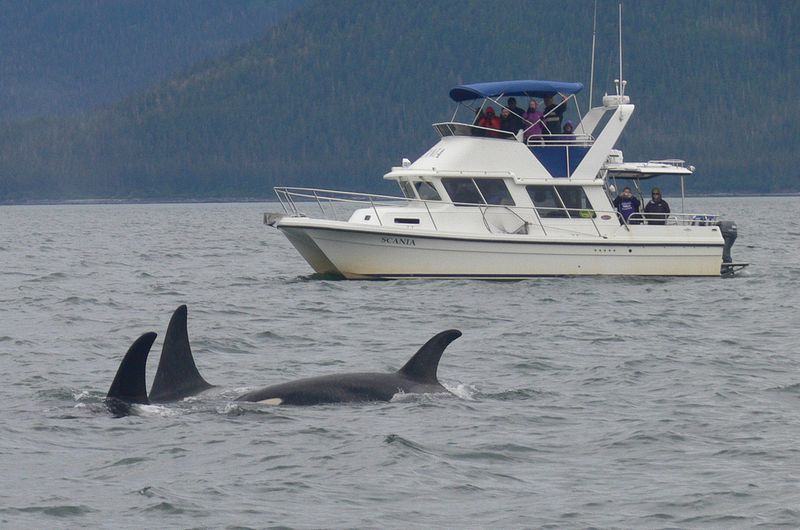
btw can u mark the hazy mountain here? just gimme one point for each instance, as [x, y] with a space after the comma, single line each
[63, 56]
[341, 90]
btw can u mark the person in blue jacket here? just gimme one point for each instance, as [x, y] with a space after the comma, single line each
[627, 205]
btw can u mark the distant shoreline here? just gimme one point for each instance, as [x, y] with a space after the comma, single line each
[81, 202]
[245, 200]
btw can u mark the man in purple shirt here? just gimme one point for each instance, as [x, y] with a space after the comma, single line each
[626, 204]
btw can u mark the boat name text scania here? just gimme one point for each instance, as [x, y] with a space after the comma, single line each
[399, 241]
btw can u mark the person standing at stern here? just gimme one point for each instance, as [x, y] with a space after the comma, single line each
[657, 209]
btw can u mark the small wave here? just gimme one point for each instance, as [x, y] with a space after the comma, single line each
[659, 516]
[461, 390]
[233, 409]
[52, 276]
[23, 342]
[159, 411]
[791, 389]
[467, 488]
[68, 394]
[133, 460]
[165, 507]
[611, 339]
[403, 397]
[405, 443]
[750, 453]
[719, 521]
[167, 290]
[639, 438]
[268, 335]
[246, 279]
[246, 408]
[487, 455]
[65, 510]
[514, 395]
[81, 395]
[179, 451]
[77, 300]
[317, 277]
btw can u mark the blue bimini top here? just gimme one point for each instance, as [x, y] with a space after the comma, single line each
[524, 87]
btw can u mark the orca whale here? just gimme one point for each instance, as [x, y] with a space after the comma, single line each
[177, 376]
[418, 376]
[129, 385]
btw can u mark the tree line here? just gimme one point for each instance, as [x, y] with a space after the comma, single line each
[343, 90]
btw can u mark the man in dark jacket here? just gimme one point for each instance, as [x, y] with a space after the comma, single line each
[553, 114]
[515, 114]
[656, 209]
[508, 122]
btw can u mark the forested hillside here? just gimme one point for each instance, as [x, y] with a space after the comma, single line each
[342, 90]
[63, 56]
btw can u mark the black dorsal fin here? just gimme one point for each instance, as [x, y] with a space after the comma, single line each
[423, 365]
[129, 384]
[177, 376]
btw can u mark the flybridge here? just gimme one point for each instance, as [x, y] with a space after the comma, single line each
[558, 153]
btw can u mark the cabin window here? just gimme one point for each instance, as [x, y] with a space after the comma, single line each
[427, 192]
[462, 190]
[546, 201]
[407, 189]
[478, 191]
[576, 202]
[495, 191]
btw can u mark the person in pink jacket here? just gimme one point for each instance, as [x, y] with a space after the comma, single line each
[533, 118]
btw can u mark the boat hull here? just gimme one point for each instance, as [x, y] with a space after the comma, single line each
[366, 253]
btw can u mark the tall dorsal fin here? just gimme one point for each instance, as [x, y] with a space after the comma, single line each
[177, 376]
[423, 365]
[129, 384]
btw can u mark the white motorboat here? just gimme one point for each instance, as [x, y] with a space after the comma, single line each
[488, 203]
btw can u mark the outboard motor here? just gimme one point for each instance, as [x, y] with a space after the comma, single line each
[728, 231]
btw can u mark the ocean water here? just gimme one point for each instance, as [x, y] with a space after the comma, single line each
[577, 402]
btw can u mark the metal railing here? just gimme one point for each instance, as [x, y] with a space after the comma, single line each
[682, 219]
[670, 162]
[561, 140]
[327, 200]
[339, 205]
[452, 128]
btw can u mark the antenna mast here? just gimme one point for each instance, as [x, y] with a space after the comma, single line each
[594, 36]
[622, 83]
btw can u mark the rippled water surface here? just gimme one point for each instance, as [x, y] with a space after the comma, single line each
[606, 402]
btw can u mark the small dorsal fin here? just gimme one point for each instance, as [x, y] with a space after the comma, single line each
[423, 365]
[177, 376]
[129, 384]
